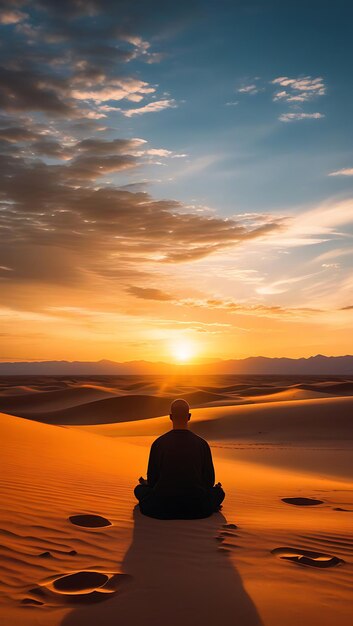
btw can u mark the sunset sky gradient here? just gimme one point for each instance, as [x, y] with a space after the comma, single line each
[175, 176]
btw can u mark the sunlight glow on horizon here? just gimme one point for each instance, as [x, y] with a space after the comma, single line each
[183, 350]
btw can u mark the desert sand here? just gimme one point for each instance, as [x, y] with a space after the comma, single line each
[76, 551]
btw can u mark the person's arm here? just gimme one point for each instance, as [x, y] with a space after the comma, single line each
[208, 469]
[153, 469]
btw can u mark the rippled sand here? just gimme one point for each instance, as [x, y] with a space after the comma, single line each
[74, 550]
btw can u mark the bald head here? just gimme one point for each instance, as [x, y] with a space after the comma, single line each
[180, 413]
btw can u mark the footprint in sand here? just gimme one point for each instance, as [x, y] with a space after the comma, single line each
[225, 536]
[78, 587]
[45, 555]
[302, 501]
[31, 602]
[308, 558]
[89, 521]
[49, 555]
[80, 582]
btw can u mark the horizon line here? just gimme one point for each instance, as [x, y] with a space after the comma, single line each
[207, 361]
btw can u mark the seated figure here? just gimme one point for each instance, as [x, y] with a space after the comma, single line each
[180, 474]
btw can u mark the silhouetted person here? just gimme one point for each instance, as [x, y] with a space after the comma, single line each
[180, 474]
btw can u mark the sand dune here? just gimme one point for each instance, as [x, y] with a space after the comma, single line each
[75, 406]
[291, 393]
[17, 390]
[106, 411]
[278, 434]
[259, 391]
[238, 388]
[50, 400]
[297, 420]
[331, 387]
[236, 385]
[80, 411]
[82, 402]
[75, 553]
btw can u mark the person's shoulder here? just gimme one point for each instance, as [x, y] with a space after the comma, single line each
[161, 438]
[201, 441]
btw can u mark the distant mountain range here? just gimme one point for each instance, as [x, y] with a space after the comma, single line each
[319, 364]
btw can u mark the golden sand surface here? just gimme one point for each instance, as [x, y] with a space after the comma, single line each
[75, 550]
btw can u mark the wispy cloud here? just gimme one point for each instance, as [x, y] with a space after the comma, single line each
[227, 305]
[127, 230]
[334, 254]
[114, 89]
[163, 153]
[152, 107]
[251, 89]
[10, 314]
[317, 225]
[12, 16]
[149, 293]
[281, 286]
[142, 49]
[299, 89]
[294, 117]
[258, 310]
[345, 171]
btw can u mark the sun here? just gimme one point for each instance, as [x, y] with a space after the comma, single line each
[182, 350]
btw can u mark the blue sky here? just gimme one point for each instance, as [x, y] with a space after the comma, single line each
[259, 162]
[171, 172]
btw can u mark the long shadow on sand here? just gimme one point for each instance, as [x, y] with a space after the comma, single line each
[179, 576]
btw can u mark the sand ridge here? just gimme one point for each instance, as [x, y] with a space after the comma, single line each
[73, 400]
[297, 420]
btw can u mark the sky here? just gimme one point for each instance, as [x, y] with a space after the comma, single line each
[176, 179]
